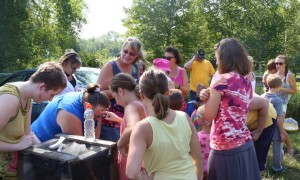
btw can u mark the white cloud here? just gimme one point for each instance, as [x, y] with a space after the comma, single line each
[103, 16]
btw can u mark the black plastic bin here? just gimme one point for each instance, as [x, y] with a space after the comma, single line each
[79, 159]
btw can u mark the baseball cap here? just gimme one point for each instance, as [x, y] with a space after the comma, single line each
[201, 53]
[162, 64]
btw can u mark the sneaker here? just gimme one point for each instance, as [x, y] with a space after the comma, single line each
[280, 171]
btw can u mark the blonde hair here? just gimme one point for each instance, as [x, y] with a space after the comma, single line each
[274, 81]
[135, 44]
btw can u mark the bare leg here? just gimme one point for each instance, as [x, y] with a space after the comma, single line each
[288, 143]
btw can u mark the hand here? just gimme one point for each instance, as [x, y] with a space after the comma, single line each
[111, 116]
[26, 142]
[35, 140]
[255, 134]
[204, 94]
[282, 136]
[123, 150]
[176, 85]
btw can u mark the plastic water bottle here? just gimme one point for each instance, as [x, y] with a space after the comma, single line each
[89, 123]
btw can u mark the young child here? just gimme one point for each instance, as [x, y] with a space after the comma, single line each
[271, 69]
[124, 90]
[164, 65]
[274, 83]
[204, 138]
[227, 107]
[175, 98]
[196, 104]
[15, 112]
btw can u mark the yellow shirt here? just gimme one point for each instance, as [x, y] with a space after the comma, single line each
[168, 156]
[253, 116]
[200, 72]
[14, 130]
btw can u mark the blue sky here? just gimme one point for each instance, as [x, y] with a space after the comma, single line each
[103, 16]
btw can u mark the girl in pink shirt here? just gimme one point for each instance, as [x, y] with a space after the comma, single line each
[204, 138]
[233, 154]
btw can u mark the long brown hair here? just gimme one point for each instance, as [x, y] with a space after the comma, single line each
[232, 56]
[154, 85]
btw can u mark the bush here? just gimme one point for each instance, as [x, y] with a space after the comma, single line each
[293, 107]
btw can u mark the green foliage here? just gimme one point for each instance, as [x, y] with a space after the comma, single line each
[293, 107]
[32, 32]
[166, 22]
[95, 52]
[267, 28]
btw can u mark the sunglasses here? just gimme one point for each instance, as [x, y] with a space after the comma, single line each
[279, 63]
[130, 53]
[168, 58]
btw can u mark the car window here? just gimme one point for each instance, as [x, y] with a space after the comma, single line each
[87, 76]
[19, 76]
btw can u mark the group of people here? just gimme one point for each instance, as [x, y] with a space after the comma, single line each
[143, 110]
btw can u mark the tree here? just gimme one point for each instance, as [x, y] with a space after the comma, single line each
[34, 31]
[165, 22]
[13, 14]
[95, 52]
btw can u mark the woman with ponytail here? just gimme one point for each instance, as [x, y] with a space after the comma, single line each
[65, 114]
[125, 91]
[166, 141]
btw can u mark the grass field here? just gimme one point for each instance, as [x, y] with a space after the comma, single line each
[291, 162]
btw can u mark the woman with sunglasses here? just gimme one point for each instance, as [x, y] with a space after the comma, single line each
[177, 74]
[130, 54]
[288, 87]
[70, 62]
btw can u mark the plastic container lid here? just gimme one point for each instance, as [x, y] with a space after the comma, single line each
[290, 124]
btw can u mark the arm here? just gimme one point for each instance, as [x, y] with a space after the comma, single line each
[212, 105]
[292, 81]
[132, 116]
[112, 117]
[28, 116]
[69, 123]
[196, 151]
[104, 79]
[137, 149]
[188, 65]
[280, 120]
[261, 105]
[7, 111]
[185, 88]
[26, 142]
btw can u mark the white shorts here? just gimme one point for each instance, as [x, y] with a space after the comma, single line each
[284, 108]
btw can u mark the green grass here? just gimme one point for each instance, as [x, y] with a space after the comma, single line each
[291, 162]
